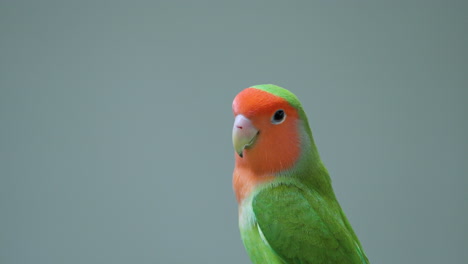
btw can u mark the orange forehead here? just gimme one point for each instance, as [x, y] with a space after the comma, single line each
[254, 102]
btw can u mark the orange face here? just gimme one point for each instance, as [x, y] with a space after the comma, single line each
[276, 145]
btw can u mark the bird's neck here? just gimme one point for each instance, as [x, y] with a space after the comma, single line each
[245, 180]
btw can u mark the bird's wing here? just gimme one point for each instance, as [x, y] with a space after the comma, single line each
[301, 227]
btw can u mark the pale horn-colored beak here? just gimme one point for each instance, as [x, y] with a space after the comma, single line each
[243, 134]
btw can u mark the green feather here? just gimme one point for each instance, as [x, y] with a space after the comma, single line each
[296, 219]
[280, 92]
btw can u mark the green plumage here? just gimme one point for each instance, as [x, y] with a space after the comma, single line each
[296, 219]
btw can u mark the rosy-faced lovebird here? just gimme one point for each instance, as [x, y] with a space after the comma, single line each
[288, 212]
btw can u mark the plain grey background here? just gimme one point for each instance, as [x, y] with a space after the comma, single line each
[115, 123]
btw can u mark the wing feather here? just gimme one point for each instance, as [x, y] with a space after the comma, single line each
[302, 227]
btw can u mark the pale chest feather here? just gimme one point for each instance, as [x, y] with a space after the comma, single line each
[255, 243]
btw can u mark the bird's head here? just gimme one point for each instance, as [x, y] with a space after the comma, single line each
[268, 129]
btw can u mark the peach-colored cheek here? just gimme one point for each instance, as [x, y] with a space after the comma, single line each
[277, 147]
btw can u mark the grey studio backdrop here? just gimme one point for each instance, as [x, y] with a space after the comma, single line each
[115, 123]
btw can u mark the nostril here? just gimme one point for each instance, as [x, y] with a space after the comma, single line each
[239, 127]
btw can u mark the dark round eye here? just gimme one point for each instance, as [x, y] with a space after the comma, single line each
[278, 117]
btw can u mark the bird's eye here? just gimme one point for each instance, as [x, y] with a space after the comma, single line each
[278, 117]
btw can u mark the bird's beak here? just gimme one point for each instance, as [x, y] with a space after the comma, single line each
[243, 134]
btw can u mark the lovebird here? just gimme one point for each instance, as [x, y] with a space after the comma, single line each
[288, 211]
